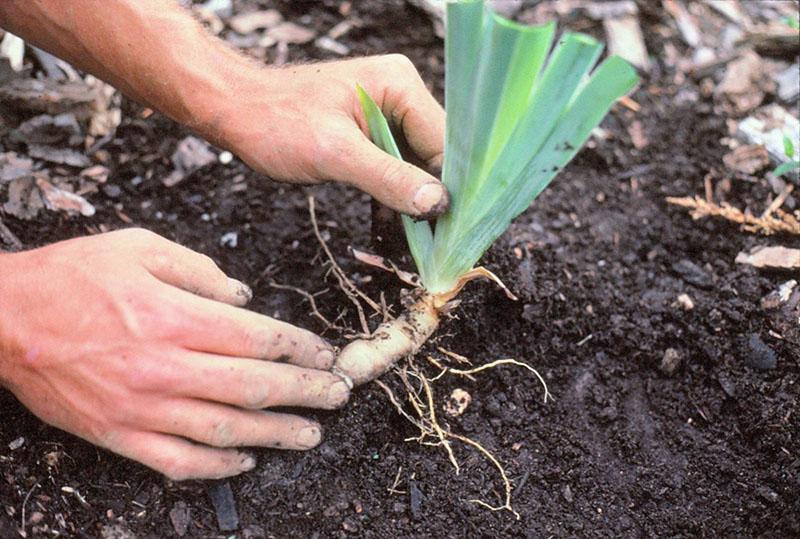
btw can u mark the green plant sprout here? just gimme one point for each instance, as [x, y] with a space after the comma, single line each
[791, 164]
[516, 116]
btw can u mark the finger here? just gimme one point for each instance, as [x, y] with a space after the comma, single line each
[397, 184]
[421, 119]
[194, 272]
[247, 383]
[180, 459]
[222, 329]
[225, 426]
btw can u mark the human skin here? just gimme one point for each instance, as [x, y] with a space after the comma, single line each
[140, 345]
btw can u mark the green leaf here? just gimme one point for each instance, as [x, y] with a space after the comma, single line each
[785, 168]
[515, 117]
[788, 146]
[418, 234]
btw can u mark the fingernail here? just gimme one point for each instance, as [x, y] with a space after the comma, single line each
[325, 358]
[242, 290]
[338, 394]
[431, 200]
[248, 463]
[309, 437]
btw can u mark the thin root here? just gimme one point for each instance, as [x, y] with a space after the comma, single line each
[499, 362]
[347, 286]
[310, 298]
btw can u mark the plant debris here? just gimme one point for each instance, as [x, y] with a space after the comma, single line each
[775, 257]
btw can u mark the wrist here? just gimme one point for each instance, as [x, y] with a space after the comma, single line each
[8, 348]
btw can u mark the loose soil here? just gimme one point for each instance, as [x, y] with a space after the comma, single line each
[597, 262]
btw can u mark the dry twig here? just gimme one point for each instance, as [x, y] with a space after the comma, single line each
[772, 221]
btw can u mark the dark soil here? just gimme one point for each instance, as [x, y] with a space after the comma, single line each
[598, 262]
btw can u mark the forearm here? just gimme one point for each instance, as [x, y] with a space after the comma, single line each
[152, 50]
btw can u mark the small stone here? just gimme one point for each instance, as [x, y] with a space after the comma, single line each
[225, 506]
[670, 362]
[685, 302]
[111, 190]
[774, 299]
[116, 531]
[225, 157]
[767, 494]
[350, 525]
[457, 403]
[416, 497]
[179, 516]
[692, 273]
[16, 443]
[231, 240]
[567, 493]
[759, 355]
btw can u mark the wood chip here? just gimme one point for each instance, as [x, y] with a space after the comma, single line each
[626, 40]
[771, 257]
[289, 32]
[747, 159]
[245, 23]
[57, 199]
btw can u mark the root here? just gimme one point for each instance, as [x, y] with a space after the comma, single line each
[433, 433]
[351, 290]
[364, 360]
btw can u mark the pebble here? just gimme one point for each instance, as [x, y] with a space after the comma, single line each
[692, 273]
[17, 443]
[111, 190]
[567, 493]
[224, 504]
[416, 498]
[179, 516]
[684, 302]
[230, 239]
[670, 362]
[759, 355]
[225, 157]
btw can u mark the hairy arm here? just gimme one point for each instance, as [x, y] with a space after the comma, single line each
[300, 123]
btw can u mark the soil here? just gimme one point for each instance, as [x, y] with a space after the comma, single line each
[598, 262]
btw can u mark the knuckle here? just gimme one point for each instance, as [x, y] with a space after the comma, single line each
[222, 433]
[394, 173]
[257, 393]
[401, 63]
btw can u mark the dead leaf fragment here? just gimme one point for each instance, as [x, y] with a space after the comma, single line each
[24, 199]
[778, 257]
[60, 156]
[12, 166]
[191, 155]
[745, 83]
[245, 23]
[57, 199]
[748, 159]
[457, 403]
[626, 40]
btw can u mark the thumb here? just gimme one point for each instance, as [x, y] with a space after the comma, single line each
[395, 183]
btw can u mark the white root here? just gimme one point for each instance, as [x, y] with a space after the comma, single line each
[364, 360]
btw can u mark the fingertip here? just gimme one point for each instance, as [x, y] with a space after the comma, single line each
[430, 200]
[242, 293]
[310, 436]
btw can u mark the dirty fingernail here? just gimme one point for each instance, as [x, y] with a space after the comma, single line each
[430, 199]
[325, 358]
[338, 394]
[242, 290]
[309, 437]
[248, 463]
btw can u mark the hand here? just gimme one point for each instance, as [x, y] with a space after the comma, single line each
[137, 345]
[304, 123]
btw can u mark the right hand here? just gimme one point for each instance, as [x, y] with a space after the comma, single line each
[137, 344]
